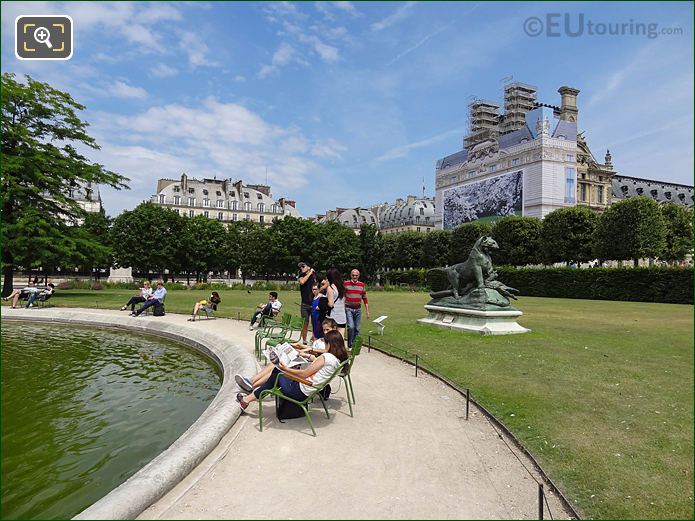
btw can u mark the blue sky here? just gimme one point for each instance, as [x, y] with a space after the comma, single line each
[352, 103]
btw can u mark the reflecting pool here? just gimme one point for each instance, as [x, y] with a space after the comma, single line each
[84, 408]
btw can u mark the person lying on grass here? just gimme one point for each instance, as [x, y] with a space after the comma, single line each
[317, 373]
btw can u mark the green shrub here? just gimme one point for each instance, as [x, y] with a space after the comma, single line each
[674, 285]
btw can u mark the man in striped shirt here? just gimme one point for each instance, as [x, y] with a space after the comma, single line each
[355, 293]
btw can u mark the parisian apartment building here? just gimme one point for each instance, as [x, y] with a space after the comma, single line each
[224, 200]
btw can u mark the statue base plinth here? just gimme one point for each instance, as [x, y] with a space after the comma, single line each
[483, 322]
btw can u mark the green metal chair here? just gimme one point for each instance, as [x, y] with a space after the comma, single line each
[271, 330]
[345, 375]
[276, 391]
[295, 326]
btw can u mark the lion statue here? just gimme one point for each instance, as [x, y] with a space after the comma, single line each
[472, 278]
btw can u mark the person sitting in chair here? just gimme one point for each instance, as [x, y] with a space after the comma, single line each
[41, 295]
[145, 292]
[158, 296]
[21, 294]
[310, 353]
[317, 373]
[271, 309]
[208, 305]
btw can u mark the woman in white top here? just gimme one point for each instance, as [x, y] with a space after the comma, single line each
[145, 292]
[336, 298]
[317, 373]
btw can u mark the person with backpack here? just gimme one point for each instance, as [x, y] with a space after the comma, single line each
[317, 373]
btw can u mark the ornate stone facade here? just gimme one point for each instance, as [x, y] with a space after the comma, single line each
[594, 179]
[223, 200]
[413, 214]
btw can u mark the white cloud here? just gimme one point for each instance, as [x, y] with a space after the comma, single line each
[161, 70]
[404, 150]
[328, 53]
[196, 49]
[284, 55]
[120, 89]
[214, 138]
[399, 14]
[332, 10]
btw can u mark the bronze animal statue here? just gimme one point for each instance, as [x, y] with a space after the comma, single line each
[471, 278]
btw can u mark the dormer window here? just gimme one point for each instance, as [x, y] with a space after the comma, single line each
[205, 192]
[260, 196]
[218, 193]
[176, 188]
[232, 193]
[191, 190]
[640, 190]
[246, 195]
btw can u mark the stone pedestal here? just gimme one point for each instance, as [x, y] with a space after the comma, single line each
[483, 322]
[120, 275]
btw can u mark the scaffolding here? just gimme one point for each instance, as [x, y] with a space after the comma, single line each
[483, 122]
[519, 98]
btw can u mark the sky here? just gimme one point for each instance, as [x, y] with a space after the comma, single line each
[345, 104]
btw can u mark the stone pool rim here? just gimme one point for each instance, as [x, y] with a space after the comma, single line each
[166, 470]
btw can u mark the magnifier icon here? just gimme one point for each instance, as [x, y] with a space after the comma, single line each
[42, 35]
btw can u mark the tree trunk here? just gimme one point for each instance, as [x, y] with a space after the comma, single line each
[8, 274]
[635, 263]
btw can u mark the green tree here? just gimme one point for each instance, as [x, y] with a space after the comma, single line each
[409, 249]
[568, 235]
[436, 248]
[390, 251]
[92, 238]
[679, 231]
[148, 238]
[291, 240]
[202, 241]
[463, 238]
[371, 252]
[631, 229]
[337, 247]
[518, 239]
[40, 162]
[253, 258]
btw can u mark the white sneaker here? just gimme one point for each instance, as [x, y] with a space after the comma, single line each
[30, 306]
[250, 328]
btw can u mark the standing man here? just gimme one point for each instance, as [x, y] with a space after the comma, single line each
[355, 293]
[306, 278]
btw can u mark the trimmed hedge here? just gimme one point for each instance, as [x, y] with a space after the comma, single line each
[672, 285]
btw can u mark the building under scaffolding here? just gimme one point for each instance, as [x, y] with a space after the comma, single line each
[519, 98]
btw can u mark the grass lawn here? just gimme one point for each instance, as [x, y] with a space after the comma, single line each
[600, 392]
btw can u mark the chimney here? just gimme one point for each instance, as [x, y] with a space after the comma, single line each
[568, 106]
[184, 182]
[238, 186]
[411, 199]
[399, 201]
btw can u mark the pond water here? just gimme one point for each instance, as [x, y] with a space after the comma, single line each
[84, 408]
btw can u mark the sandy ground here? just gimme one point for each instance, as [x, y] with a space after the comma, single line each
[408, 453]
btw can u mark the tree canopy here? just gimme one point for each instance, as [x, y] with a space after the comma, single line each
[42, 135]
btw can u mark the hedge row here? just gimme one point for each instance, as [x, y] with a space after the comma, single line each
[674, 285]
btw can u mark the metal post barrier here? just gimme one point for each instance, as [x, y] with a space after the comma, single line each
[468, 401]
[369, 345]
[540, 500]
[238, 315]
[416, 364]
